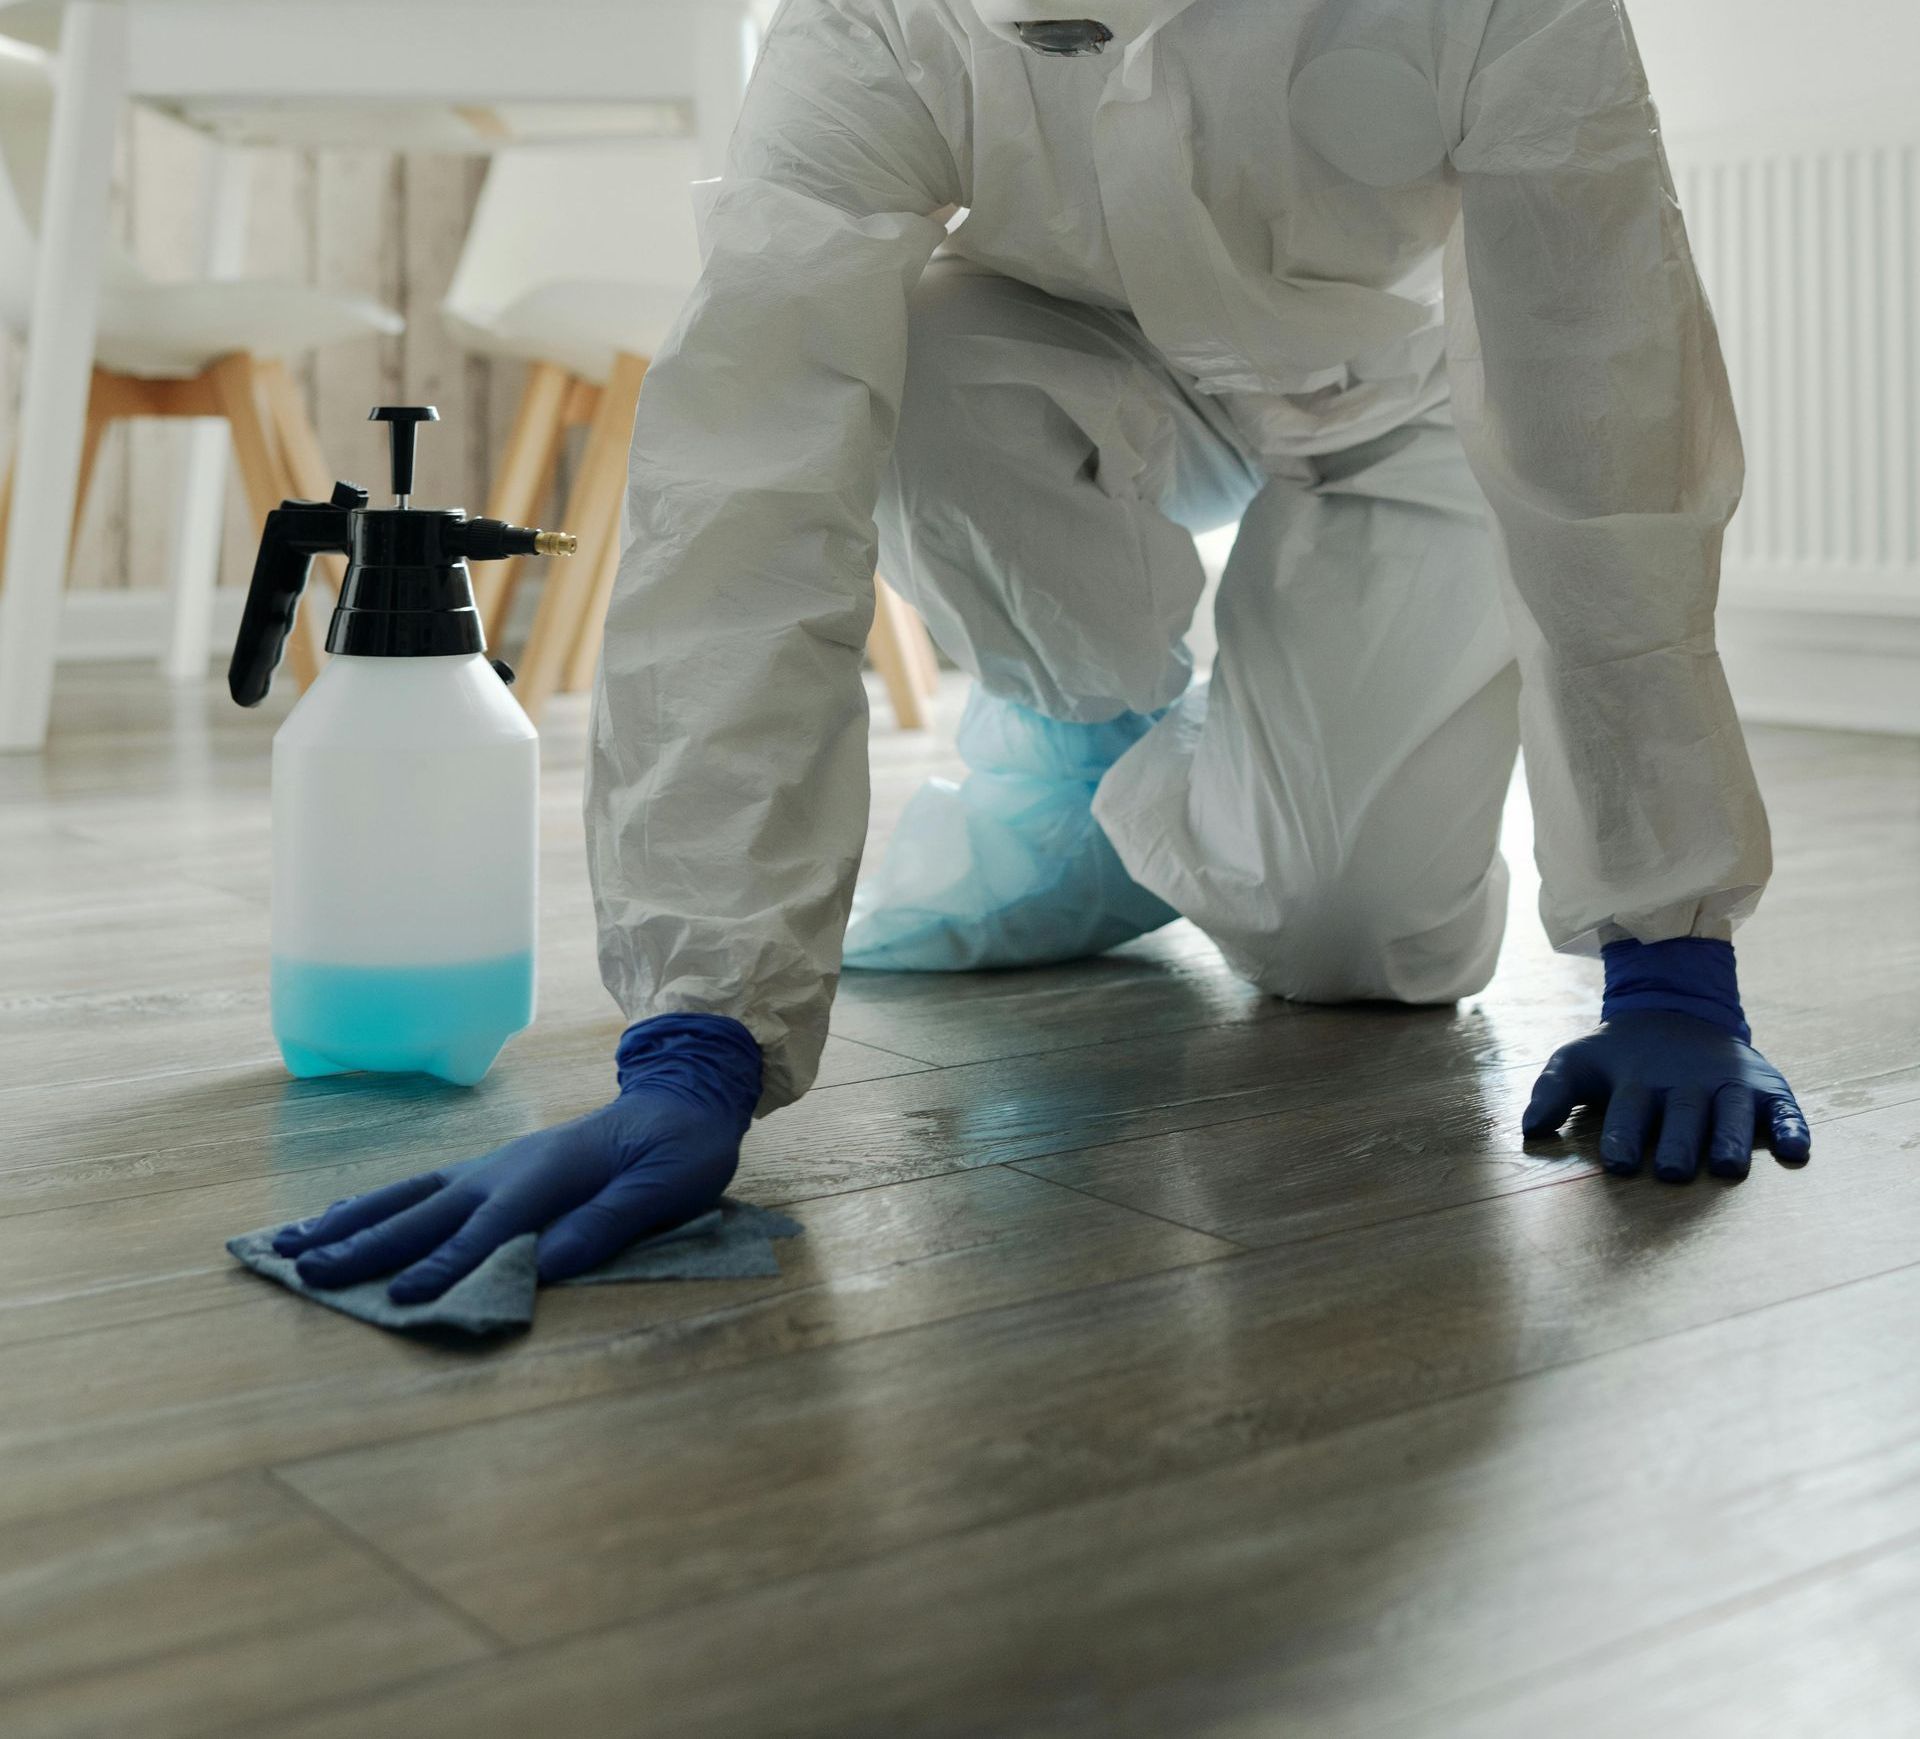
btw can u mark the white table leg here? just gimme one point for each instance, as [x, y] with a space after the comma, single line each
[90, 80]
[203, 492]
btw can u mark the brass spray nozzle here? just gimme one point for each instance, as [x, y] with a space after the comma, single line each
[555, 543]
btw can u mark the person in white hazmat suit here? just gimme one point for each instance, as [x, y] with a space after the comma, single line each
[1399, 285]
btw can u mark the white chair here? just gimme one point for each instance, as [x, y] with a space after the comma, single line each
[577, 262]
[212, 349]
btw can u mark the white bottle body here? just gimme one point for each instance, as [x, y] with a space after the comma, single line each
[405, 827]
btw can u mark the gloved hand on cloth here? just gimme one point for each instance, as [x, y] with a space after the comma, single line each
[659, 1154]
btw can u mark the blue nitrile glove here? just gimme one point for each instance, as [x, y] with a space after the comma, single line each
[1672, 1054]
[658, 1155]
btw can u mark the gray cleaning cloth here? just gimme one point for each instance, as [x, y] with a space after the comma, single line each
[732, 1242]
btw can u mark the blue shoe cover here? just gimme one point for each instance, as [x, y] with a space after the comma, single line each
[1009, 868]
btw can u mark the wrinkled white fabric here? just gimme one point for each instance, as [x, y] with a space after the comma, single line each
[1326, 217]
[1327, 807]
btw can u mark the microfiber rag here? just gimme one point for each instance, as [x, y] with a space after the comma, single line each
[731, 1242]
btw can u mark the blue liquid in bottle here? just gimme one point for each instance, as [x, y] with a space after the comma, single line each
[448, 1021]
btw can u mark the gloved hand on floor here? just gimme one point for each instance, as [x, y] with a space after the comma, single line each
[659, 1154]
[1673, 1056]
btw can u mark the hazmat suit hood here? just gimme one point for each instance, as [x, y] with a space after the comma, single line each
[1077, 26]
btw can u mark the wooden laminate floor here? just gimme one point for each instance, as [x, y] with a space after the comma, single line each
[1159, 1359]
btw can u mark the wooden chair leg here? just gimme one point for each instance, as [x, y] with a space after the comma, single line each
[619, 404]
[593, 516]
[304, 470]
[236, 383]
[918, 644]
[924, 655]
[301, 461]
[887, 646]
[520, 485]
[99, 415]
[590, 627]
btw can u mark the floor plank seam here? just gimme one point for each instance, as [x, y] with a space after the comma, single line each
[1022, 1166]
[1699, 1619]
[1024, 1160]
[885, 1051]
[641, 1384]
[262, 1297]
[1237, 1244]
[602, 1343]
[1296, 1011]
[799, 1579]
[1819, 1123]
[106, 1288]
[1352, 1227]
[1156, 1031]
[147, 1077]
[58, 1334]
[80, 1676]
[1027, 1159]
[121, 1663]
[588, 1347]
[964, 1400]
[474, 1626]
[1490, 1386]
[1592, 1171]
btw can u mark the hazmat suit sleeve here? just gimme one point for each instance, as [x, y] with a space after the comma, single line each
[727, 776]
[1594, 405]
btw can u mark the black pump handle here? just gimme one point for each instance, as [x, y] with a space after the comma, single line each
[296, 532]
[403, 423]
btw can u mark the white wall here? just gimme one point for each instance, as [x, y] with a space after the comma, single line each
[1720, 65]
[1794, 129]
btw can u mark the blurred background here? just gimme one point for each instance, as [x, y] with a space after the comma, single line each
[1795, 136]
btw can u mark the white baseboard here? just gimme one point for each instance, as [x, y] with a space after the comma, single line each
[1830, 669]
[1821, 589]
[98, 626]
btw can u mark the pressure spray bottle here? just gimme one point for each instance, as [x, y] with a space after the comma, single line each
[405, 788]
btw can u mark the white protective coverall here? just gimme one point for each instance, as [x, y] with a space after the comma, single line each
[1289, 257]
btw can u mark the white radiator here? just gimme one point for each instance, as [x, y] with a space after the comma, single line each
[1812, 260]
